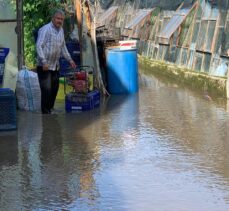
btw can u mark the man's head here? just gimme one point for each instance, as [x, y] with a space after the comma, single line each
[58, 18]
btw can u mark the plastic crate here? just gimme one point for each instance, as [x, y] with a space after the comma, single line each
[82, 102]
[74, 50]
[65, 66]
[72, 46]
[3, 54]
[8, 119]
[2, 67]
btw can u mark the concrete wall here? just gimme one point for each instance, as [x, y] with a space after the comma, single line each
[215, 86]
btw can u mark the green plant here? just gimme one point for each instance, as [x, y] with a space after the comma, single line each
[36, 14]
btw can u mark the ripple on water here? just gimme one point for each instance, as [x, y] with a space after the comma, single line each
[163, 149]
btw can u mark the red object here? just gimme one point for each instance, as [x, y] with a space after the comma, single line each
[81, 75]
[126, 44]
[80, 86]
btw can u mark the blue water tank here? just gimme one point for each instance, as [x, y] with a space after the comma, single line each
[122, 67]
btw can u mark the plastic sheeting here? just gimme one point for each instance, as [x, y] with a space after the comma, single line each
[160, 52]
[195, 32]
[225, 40]
[190, 58]
[206, 62]
[8, 39]
[210, 35]
[11, 71]
[178, 56]
[7, 9]
[198, 61]
[202, 35]
[184, 56]
[221, 70]
[219, 41]
[210, 11]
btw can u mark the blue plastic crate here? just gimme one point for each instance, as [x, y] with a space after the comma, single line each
[65, 66]
[3, 54]
[74, 50]
[2, 67]
[82, 102]
[72, 46]
[8, 119]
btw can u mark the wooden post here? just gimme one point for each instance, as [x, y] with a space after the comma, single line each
[91, 24]
[96, 57]
[78, 9]
[20, 34]
[87, 13]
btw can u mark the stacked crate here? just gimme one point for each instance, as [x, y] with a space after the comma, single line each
[82, 102]
[74, 50]
[3, 54]
[8, 119]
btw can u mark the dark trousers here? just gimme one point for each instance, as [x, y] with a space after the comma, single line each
[49, 84]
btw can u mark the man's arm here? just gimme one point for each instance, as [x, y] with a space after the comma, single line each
[42, 36]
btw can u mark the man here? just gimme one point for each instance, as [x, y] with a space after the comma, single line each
[50, 46]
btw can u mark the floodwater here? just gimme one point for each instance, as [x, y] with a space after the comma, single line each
[165, 148]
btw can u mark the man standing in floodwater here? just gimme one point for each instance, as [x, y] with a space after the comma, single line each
[50, 46]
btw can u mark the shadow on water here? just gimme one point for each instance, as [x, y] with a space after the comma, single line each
[50, 162]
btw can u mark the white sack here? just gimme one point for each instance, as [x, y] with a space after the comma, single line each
[28, 91]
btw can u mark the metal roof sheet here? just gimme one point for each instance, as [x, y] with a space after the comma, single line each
[105, 16]
[174, 22]
[138, 18]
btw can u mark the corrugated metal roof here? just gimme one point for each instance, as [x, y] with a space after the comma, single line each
[174, 23]
[105, 16]
[138, 18]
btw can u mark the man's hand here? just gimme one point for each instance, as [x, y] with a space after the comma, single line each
[73, 65]
[45, 67]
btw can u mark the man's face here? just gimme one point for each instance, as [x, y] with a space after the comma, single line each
[58, 20]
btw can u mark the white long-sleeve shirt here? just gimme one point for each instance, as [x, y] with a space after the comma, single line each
[50, 46]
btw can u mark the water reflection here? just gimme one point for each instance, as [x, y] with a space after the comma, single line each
[8, 169]
[195, 124]
[162, 149]
[52, 168]
[8, 149]
[123, 111]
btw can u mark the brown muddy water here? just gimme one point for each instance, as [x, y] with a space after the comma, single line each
[166, 148]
